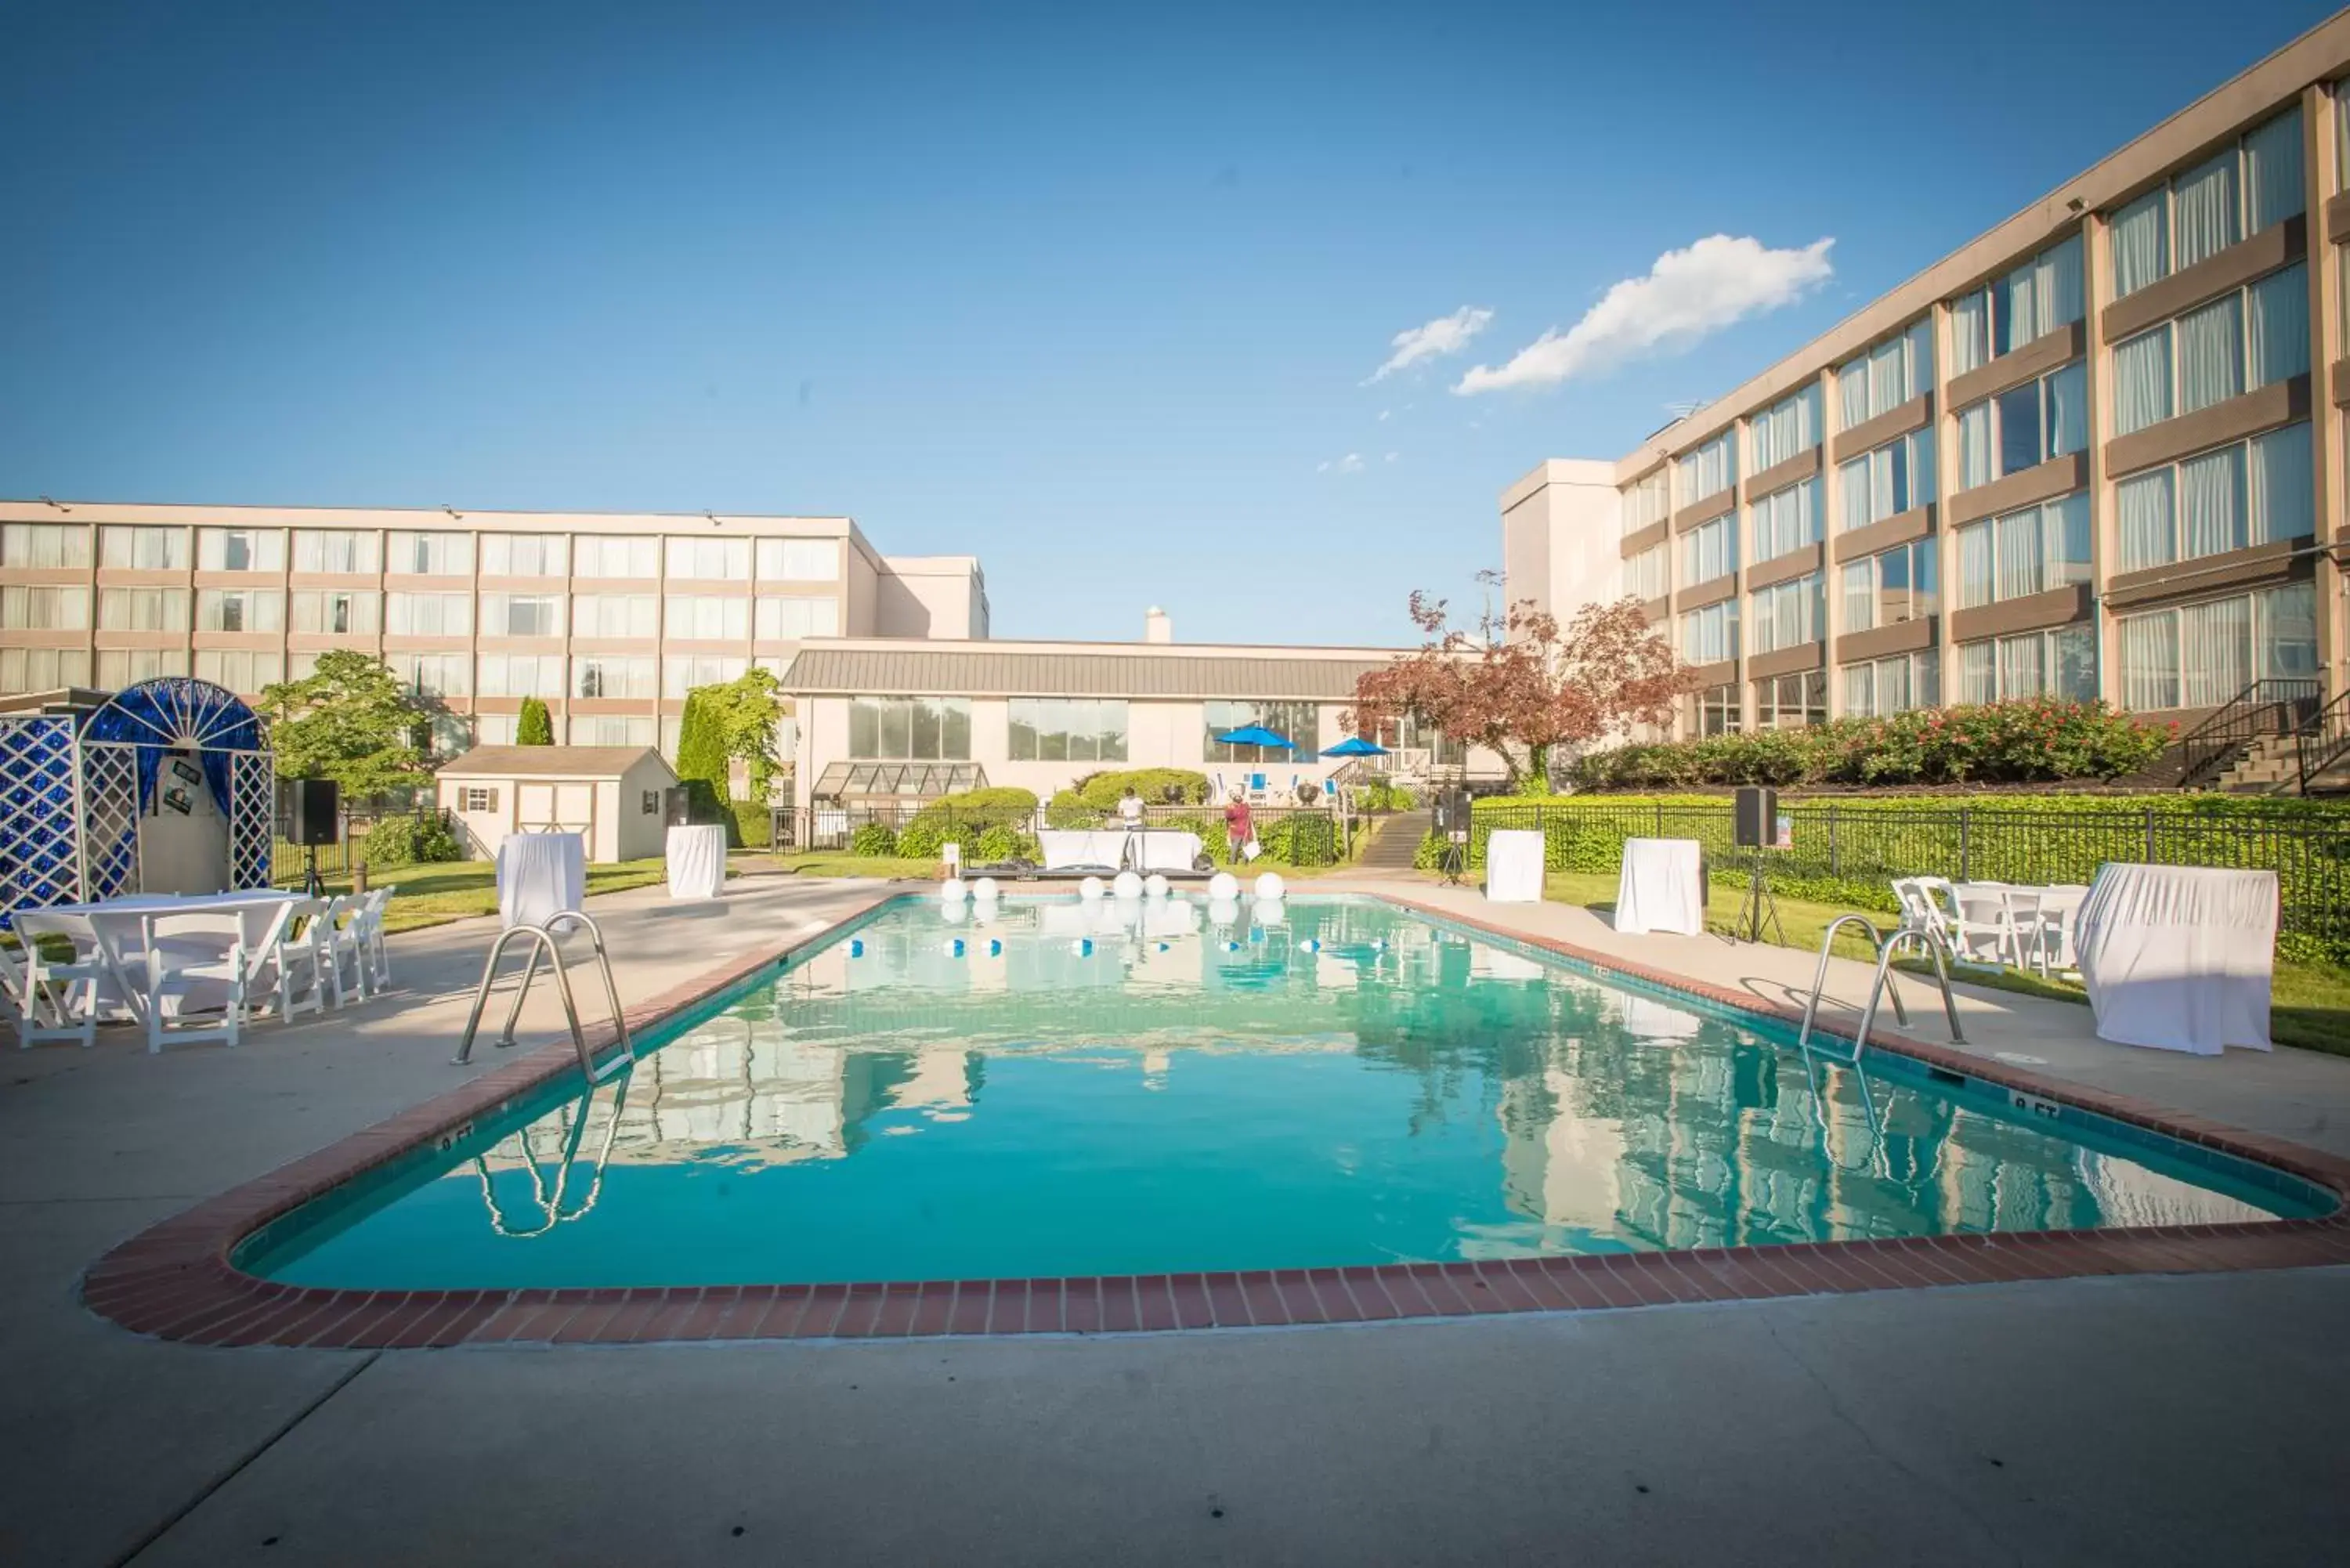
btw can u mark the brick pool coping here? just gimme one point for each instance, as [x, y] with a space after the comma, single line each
[175, 1281]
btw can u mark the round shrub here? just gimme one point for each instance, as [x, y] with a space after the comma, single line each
[919, 840]
[409, 841]
[875, 839]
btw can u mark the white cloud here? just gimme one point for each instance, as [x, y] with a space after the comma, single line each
[1383, 415]
[1686, 296]
[1350, 463]
[1391, 457]
[1445, 335]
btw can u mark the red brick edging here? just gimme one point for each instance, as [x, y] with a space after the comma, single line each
[175, 1281]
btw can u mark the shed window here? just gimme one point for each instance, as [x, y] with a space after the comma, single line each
[474, 797]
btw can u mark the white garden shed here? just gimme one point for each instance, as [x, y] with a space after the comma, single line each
[611, 794]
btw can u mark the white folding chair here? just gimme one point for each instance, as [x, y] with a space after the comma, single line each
[306, 961]
[192, 958]
[346, 942]
[374, 951]
[56, 999]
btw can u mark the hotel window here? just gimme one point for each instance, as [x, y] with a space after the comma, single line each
[611, 729]
[615, 615]
[1646, 504]
[1711, 635]
[910, 728]
[2024, 426]
[433, 674]
[427, 615]
[2248, 186]
[788, 618]
[1887, 376]
[447, 735]
[1792, 701]
[1716, 710]
[335, 611]
[799, 560]
[1068, 730]
[133, 549]
[240, 549]
[39, 607]
[2203, 656]
[704, 617]
[240, 609]
[1645, 574]
[121, 666]
[1709, 470]
[1891, 586]
[43, 669]
[522, 615]
[1785, 520]
[719, 560]
[1786, 615]
[521, 675]
[616, 555]
[1300, 722]
[1894, 478]
[2023, 553]
[240, 670]
[433, 555]
[2240, 342]
[1788, 427]
[525, 555]
[142, 609]
[1709, 550]
[2061, 663]
[1886, 686]
[2028, 304]
[350, 550]
[53, 545]
[681, 673]
[612, 675]
[2257, 492]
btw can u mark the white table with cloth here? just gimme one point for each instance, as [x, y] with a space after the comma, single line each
[540, 875]
[697, 861]
[1661, 887]
[1096, 850]
[1513, 866]
[2180, 958]
[121, 926]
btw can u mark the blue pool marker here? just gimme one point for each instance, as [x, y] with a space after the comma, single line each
[1310, 945]
[1083, 946]
[954, 948]
[1256, 934]
[857, 947]
[995, 947]
[1231, 946]
[1164, 946]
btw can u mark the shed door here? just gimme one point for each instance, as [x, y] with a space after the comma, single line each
[556, 807]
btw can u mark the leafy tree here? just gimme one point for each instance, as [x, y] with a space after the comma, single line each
[701, 756]
[536, 725]
[349, 720]
[743, 714]
[1520, 686]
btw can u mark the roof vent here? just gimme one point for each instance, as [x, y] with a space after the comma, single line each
[1155, 626]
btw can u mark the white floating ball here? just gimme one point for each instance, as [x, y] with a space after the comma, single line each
[954, 947]
[985, 888]
[1224, 911]
[1310, 945]
[1091, 887]
[952, 890]
[1223, 887]
[1269, 886]
[1128, 886]
[1154, 886]
[953, 912]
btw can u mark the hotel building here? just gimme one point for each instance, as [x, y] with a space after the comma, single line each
[2096, 452]
[610, 618]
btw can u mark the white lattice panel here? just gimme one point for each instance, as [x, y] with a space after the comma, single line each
[251, 817]
[37, 788]
[110, 818]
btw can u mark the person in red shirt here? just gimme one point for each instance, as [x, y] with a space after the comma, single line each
[1238, 828]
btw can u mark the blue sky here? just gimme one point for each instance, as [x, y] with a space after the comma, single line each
[1093, 293]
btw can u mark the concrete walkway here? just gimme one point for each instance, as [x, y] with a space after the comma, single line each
[2145, 1420]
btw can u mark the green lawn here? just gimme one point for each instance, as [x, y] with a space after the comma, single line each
[434, 894]
[2310, 1006]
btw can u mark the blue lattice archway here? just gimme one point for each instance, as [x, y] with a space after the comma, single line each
[76, 786]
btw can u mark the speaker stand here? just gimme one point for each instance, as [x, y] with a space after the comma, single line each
[1760, 910]
[311, 887]
[1454, 861]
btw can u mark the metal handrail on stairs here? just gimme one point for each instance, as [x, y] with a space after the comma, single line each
[542, 941]
[2324, 741]
[2276, 706]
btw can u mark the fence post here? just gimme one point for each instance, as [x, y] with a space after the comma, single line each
[1660, 819]
[1966, 817]
[2150, 837]
[1834, 869]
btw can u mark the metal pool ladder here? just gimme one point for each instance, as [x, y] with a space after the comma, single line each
[542, 941]
[1887, 945]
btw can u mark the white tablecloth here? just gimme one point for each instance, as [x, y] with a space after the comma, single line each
[1066, 850]
[122, 934]
[2179, 956]
[1514, 867]
[1168, 849]
[1661, 887]
[697, 861]
[539, 875]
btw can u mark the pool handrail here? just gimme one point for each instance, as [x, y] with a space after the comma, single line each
[542, 940]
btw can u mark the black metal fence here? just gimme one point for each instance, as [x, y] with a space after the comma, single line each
[1851, 853]
[289, 861]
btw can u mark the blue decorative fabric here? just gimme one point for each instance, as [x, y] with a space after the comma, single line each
[175, 713]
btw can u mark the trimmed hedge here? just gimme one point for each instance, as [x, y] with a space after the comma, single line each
[409, 841]
[753, 828]
[1084, 802]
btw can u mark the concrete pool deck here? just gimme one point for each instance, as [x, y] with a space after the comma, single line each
[2038, 1421]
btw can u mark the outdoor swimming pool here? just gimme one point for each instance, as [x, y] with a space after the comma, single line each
[1061, 1089]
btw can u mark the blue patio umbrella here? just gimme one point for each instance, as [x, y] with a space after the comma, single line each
[1355, 746]
[1254, 735]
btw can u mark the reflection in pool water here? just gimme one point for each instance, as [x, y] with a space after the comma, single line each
[1053, 1088]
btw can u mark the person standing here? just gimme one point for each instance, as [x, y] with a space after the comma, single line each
[1239, 829]
[1130, 817]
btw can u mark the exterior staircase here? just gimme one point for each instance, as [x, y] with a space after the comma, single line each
[1396, 841]
[2272, 766]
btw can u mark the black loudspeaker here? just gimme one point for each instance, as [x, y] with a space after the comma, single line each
[1451, 811]
[677, 807]
[1758, 817]
[314, 808]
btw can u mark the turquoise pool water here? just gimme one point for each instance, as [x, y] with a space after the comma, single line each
[1086, 1090]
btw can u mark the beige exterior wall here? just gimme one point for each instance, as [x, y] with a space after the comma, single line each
[935, 597]
[1561, 528]
[610, 812]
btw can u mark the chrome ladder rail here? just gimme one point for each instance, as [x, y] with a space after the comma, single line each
[542, 941]
[1887, 945]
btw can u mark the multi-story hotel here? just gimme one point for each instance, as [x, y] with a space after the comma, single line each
[2085, 454]
[609, 617]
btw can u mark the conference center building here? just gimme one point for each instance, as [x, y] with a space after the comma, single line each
[2096, 451]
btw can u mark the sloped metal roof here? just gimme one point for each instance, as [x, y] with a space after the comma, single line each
[546, 761]
[956, 672]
